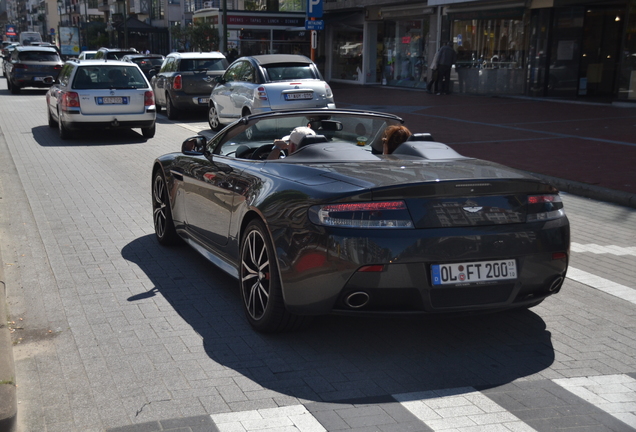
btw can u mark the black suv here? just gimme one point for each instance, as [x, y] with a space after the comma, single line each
[185, 81]
[149, 64]
[114, 53]
[29, 66]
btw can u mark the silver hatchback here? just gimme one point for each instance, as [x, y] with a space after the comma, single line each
[263, 83]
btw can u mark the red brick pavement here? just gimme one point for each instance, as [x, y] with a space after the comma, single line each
[594, 144]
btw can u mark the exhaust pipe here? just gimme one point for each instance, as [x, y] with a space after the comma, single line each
[357, 299]
[556, 284]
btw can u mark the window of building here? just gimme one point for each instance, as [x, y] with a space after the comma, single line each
[404, 52]
[347, 53]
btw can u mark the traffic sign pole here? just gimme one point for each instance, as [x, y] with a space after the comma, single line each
[314, 36]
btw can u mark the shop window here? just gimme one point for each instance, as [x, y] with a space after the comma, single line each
[489, 43]
[347, 55]
[404, 52]
[627, 75]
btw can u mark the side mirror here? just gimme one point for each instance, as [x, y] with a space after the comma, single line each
[219, 79]
[194, 145]
[152, 73]
[49, 80]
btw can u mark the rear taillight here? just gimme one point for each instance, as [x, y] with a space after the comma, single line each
[149, 98]
[70, 100]
[328, 91]
[381, 214]
[57, 67]
[544, 207]
[177, 83]
[261, 93]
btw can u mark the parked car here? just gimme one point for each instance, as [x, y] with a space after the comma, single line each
[113, 53]
[266, 83]
[185, 81]
[149, 64]
[29, 66]
[7, 49]
[86, 55]
[335, 227]
[101, 94]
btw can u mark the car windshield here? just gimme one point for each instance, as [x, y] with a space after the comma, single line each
[38, 56]
[289, 72]
[106, 77]
[342, 129]
[202, 64]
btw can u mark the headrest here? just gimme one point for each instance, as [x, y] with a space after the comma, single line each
[421, 137]
[312, 139]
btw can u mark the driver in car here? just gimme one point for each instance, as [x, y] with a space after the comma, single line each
[290, 142]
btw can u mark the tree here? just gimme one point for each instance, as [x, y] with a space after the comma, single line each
[195, 37]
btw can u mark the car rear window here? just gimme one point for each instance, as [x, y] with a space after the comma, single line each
[148, 61]
[38, 56]
[116, 55]
[217, 64]
[288, 72]
[106, 77]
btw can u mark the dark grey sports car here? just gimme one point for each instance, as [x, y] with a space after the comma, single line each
[336, 227]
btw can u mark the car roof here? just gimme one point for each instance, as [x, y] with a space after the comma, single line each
[266, 59]
[36, 48]
[143, 56]
[213, 54]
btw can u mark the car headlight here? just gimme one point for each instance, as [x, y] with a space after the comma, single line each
[381, 214]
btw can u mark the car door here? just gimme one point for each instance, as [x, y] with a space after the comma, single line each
[223, 95]
[209, 188]
[243, 89]
[57, 89]
[159, 81]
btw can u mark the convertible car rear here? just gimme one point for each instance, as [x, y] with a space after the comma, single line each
[338, 228]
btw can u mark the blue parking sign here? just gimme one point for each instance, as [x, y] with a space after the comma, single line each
[314, 8]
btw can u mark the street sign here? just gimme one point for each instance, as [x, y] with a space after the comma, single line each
[314, 9]
[314, 25]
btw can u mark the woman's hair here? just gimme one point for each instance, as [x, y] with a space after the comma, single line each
[394, 136]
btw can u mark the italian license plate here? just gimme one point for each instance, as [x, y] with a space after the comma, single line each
[112, 100]
[204, 100]
[299, 96]
[472, 272]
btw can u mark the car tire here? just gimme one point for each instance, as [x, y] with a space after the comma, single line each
[63, 131]
[213, 119]
[157, 107]
[149, 132]
[171, 111]
[52, 122]
[260, 285]
[162, 213]
[12, 88]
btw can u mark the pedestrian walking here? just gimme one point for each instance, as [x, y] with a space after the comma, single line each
[444, 59]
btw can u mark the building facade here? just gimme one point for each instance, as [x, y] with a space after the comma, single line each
[582, 49]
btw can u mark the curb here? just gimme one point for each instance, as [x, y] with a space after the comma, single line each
[8, 400]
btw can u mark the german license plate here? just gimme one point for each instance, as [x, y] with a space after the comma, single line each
[299, 96]
[471, 272]
[204, 100]
[112, 100]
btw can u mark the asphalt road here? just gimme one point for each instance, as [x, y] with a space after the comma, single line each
[116, 333]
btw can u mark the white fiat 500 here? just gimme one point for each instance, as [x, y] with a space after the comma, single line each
[101, 94]
[264, 83]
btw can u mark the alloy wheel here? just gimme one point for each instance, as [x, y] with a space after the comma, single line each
[255, 275]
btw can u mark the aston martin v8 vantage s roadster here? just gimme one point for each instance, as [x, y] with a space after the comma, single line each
[338, 227]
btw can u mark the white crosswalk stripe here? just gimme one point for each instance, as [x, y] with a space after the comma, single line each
[294, 418]
[598, 249]
[602, 284]
[614, 394]
[460, 409]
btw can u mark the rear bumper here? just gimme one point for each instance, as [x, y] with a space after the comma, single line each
[128, 124]
[185, 101]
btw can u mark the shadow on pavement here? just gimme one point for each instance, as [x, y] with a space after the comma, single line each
[339, 358]
[48, 137]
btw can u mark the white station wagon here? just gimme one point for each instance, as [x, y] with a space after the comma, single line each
[101, 94]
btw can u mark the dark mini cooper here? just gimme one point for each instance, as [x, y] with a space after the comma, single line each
[338, 227]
